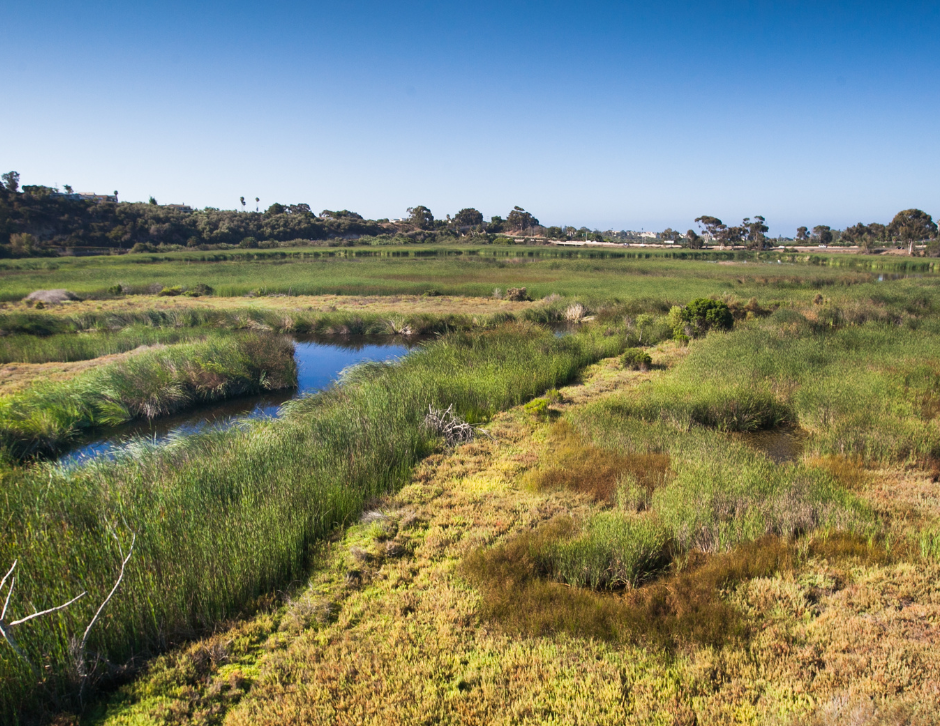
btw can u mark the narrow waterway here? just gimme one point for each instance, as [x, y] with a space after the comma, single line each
[319, 363]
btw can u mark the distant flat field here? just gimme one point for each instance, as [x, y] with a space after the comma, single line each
[401, 304]
[369, 272]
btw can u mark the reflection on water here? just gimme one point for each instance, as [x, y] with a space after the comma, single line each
[319, 363]
[782, 446]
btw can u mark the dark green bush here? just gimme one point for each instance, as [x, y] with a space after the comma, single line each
[636, 359]
[700, 316]
[199, 290]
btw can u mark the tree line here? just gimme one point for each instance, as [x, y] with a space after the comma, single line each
[909, 227]
[38, 220]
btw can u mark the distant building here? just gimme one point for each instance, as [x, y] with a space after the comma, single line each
[184, 208]
[87, 197]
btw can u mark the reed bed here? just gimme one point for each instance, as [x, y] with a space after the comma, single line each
[71, 347]
[591, 274]
[45, 417]
[223, 518]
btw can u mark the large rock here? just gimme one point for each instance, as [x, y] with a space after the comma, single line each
[51, 296]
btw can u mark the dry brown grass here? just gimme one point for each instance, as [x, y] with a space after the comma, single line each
[573, 463]
[17, 376]
[685, 606]
[403, 304]
[849, 471]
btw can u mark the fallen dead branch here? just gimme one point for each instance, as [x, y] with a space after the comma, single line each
[453, 429]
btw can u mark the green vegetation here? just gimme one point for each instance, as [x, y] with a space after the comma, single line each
[48, 416]
[222, 518]
[40, 221]
[738, 469]
[69, 347]
[603, 275]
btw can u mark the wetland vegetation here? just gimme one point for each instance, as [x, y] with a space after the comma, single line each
[620, 546]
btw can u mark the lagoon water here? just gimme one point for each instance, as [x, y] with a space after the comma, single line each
[319, 363]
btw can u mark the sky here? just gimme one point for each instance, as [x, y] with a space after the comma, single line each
[623, 115]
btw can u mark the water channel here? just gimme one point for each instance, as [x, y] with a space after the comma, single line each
[319, 362]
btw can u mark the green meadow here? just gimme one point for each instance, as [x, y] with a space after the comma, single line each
[597, 274]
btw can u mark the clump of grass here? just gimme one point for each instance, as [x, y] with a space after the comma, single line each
[539, 407]
[613, 551]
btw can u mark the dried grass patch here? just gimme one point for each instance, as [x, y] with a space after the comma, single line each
[575, 464]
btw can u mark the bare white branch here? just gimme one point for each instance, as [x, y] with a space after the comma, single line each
[8, 637]
[4, 580]
[6, 603]
[46, 612]
[81, 647]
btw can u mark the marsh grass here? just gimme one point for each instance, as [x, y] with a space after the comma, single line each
[222, 518]
[70, 347]
[589, 274]
[45, 417]
[686, 602]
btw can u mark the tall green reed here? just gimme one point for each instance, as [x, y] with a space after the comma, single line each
[222, 518]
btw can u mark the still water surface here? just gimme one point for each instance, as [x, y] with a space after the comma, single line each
[319, 363]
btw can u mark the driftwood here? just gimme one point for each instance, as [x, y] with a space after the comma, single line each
[451, 427]
[77, 646]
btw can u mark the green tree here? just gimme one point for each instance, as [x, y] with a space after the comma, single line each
[153, 201]
[520, 220]
[756, 233]
[879, 232]
[420, 217]
[858, 234]
[693, 241]
[11, 180]
[468, 217]
[68, 189]
[21, 244]
[822, 233]
[802, 233]
[912, 225]
[713, 226]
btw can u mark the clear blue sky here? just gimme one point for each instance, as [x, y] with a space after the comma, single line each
[624, 115]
